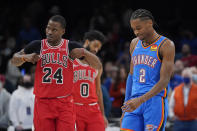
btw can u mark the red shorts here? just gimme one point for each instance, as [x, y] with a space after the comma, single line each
[89, 118]
[55, 114]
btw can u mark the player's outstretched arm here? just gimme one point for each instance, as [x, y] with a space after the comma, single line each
[89, 57]
[167, 51]
[20, 57]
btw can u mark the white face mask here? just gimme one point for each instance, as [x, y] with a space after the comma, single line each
[194, 78]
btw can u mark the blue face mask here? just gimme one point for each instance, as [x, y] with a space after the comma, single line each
[194, 77]
[186, 80]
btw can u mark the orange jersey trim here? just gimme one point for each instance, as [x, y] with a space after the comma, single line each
[165, 92]
[123, 129]
[150, 44]
[159, 48]
[162, 116]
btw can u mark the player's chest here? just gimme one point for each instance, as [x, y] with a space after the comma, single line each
[54, 57]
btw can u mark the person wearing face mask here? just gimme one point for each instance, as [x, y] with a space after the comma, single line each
[194, 74]
[22, 104]
[183, 104]
[194, 78]
[4, 100]
[176, 78]
[188, 58]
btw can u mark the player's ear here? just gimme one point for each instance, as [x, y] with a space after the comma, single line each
[150, 22]
[63, 31]
[86, 43]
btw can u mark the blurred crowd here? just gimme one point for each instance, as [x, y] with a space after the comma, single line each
[19, 26]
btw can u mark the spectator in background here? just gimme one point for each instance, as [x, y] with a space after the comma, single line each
[183, 104]
[4, 100]
[108, 78]
[8, 44]
[5, 54]
[32, 73]
[194, 74]
[28, 33]
[188, 58]
[97, 21]
[176, 79]
[117, 92]
[12, 76]
[188, 37]
[106, 101]
[22, 105]
[124, 56]
[178, 67]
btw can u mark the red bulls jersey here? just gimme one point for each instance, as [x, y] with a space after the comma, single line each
[84, 83]
[54, 71]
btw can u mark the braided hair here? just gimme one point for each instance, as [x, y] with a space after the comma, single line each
[143, 14]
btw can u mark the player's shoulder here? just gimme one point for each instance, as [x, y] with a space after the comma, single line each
[35, 42]
[74, 44]
[167, 42]
[166, 39]
[167, 47]
[134, 40]
[133, 44]
[33, 46]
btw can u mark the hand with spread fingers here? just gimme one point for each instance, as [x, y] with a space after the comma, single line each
[132, 104]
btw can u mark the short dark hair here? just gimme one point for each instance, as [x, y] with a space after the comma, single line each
[60, 19]
[142, 14]
[94, 35]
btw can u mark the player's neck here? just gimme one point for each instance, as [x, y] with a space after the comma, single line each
[151, 39]
[55, 43]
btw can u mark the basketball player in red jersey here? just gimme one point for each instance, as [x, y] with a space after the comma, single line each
[54, 109]
[88, 97]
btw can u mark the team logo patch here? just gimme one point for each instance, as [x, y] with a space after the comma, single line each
[150, 127]
[153, 47]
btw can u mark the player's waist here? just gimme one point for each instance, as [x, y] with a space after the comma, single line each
[140, 92]
[58, 97]
[83, 104]
[138, 84]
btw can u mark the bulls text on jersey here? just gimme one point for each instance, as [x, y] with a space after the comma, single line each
[54, 58]
[84, 75]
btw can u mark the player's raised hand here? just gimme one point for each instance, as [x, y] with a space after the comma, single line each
[131, 105]
[77, 53]
[33, 58]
